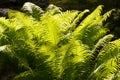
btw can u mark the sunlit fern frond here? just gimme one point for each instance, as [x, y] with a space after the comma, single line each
[78, 18]
[93, 16]
[92, 31]
[76, 60]
[54, 27]
[107, 63]
[70, 61]
[88, 20]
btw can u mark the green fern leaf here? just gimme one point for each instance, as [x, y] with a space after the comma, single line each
[107, 64]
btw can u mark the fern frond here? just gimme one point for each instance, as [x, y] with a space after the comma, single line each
[24, 22]
[101, 43]
[3, 27]
[86, 31]
[107, 14]
[77, 19]
[17, 37]
[90, 19]
[50, 30]
[107, 62]
[70, 60]
[75, 61]
[93, 16]
[68, 17]
[55, 26]
[24, 19]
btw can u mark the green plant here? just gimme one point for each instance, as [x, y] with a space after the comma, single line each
[58, 46]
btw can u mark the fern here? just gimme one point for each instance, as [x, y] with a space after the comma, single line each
[101, 43]
[90, 26]
[76, 60]
[78, 18]
[57, 45]
[107, 62]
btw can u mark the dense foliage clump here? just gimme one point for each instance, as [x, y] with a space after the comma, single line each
[56, 45]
